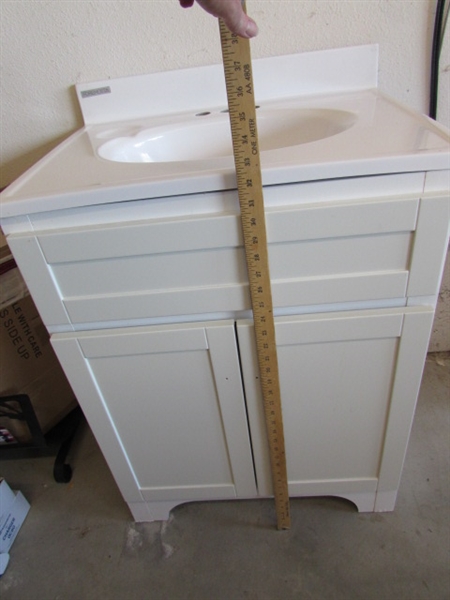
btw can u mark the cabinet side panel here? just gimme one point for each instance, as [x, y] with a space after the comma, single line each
[410, 363]
[97, 414]
[430, 246]
[44, 290]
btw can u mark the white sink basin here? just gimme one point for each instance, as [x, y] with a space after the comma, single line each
[207, 135]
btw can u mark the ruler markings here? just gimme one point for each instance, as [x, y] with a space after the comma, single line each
[242, 112]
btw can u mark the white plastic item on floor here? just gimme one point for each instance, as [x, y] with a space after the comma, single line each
[13, 511]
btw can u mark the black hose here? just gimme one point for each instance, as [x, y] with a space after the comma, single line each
[436, 50]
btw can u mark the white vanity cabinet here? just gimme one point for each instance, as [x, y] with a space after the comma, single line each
[149, 311]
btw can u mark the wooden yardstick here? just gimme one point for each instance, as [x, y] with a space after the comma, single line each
[242, 110]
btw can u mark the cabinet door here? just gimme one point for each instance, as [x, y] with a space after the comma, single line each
[166, 406]
[349, 384]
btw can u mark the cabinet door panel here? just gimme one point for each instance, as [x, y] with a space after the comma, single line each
[162, 408]
[172, 405]
[337, 372]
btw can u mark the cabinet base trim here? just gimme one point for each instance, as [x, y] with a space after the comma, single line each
[188, 493]
[333, 487]
[160, 511]
[385, 501]
[144, 512]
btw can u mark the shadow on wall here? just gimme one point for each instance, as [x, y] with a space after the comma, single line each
[12, 169]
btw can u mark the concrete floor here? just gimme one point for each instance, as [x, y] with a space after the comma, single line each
[79, 543]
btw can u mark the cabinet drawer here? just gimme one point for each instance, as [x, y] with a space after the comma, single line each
[319, 254]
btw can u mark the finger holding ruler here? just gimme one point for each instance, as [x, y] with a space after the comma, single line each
[242, 111]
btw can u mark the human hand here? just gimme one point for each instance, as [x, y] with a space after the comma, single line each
[232, 14]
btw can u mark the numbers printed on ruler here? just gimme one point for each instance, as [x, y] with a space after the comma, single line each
[242, 110]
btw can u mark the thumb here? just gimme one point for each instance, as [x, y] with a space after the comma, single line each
[233, 15]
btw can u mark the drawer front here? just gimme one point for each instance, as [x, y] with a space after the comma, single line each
[319, 254]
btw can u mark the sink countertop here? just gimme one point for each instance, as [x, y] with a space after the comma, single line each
[386, 138]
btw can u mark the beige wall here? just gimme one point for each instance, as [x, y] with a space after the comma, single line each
[48, 45]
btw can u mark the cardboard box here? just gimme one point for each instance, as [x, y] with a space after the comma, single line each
[28, 364]
[13, 510]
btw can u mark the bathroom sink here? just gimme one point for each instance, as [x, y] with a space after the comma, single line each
[207, 135]
[321, 117]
